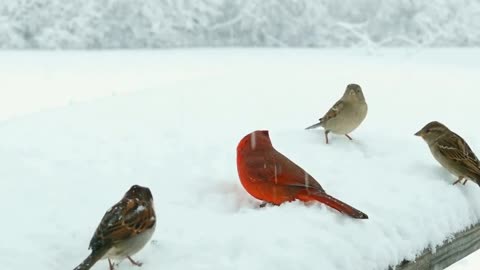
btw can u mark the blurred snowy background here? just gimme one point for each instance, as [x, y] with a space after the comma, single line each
[105, 24]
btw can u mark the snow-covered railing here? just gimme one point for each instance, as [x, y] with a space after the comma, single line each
[463, 244]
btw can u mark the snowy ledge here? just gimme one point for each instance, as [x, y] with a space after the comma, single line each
[463, 244]
[178, 133]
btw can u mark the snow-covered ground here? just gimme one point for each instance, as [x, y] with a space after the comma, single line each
[62, 168]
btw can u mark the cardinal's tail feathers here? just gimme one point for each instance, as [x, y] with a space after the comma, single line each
[334, 203]
[89, 261]
[315, 125]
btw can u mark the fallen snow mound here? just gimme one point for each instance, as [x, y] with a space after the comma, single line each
[63, 168]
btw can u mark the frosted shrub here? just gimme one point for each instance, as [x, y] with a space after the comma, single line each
[79, 24]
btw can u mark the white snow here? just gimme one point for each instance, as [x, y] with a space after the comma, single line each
[63, 168]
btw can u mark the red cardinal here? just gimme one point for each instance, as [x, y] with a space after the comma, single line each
[271, 177]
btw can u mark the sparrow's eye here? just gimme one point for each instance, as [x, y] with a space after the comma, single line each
[427, 131]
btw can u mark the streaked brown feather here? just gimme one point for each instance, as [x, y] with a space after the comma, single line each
[125, 219]
[455, 148]
[333, 112]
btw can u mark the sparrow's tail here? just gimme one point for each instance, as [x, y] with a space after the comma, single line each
[89, 261]
[315, 125]
[332, 202]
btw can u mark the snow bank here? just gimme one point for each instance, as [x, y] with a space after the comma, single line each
[63, 168]
[75, 24]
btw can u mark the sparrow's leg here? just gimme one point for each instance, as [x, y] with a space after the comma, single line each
[465, 181]
[350, 138]
[460, 178]
[326, 136]
[112, 267]
[134, 262]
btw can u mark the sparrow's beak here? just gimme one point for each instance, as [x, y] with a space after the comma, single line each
[419, 133]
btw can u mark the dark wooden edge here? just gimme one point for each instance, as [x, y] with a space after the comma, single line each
[451, 251]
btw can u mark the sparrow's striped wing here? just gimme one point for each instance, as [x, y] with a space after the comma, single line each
[455, 148]
[127, 218]
[333, 112]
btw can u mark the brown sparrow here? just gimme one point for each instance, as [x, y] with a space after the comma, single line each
[346, 115]
[124, 230]
[451, 151]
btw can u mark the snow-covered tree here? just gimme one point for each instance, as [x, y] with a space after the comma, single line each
[101, 24]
